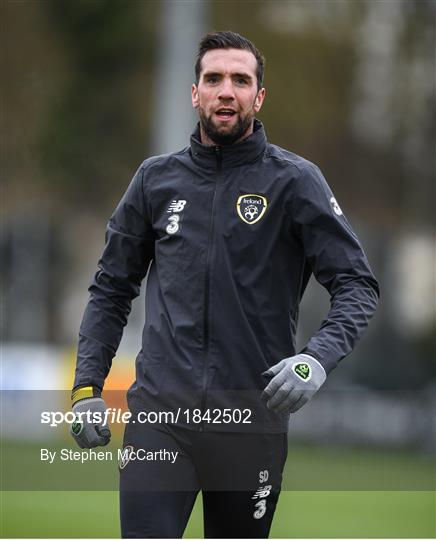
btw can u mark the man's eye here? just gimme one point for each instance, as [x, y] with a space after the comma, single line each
[241, 81]
[212, 80]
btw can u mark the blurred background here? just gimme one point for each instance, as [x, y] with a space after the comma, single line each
[92, 87]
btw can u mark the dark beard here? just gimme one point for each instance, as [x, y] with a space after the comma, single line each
[230, 137]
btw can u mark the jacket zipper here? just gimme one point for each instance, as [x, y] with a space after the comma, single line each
[218, 155]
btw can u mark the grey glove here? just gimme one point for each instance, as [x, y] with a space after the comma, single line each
[90, 434]
[294, 381]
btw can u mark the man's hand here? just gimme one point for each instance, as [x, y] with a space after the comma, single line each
[294, 381]
[88, 434]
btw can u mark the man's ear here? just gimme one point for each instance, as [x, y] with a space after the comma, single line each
[194, 96]
[259, 100]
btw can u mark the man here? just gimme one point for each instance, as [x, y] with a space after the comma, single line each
[230, 230]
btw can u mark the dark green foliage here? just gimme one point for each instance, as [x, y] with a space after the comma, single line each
[97, 132]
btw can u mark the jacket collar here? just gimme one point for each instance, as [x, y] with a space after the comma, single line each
[231, 155]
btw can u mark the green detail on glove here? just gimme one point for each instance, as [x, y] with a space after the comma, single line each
[89, 428]
[302, 370]
[294, 381]
[76, 427]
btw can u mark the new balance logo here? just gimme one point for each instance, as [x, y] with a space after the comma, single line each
[262, 492]
[176, 206]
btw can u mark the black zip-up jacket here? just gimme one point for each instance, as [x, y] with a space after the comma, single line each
[230, 236]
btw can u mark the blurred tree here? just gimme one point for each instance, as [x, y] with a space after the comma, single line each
[97, 132]
[34, 73]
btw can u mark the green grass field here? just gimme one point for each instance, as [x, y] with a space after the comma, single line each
[304, 514]
[394, 498]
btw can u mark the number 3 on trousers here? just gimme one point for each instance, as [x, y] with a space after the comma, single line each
[261, 509]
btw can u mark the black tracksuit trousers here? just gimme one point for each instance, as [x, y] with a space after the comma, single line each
[164, 468]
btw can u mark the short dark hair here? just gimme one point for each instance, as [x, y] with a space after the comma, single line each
[229, 40]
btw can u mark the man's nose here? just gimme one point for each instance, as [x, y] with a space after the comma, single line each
[226, 90]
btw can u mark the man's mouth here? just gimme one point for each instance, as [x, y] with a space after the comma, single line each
[225, 114]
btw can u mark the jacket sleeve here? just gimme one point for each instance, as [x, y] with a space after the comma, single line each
[337, 260]
[126, 257]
